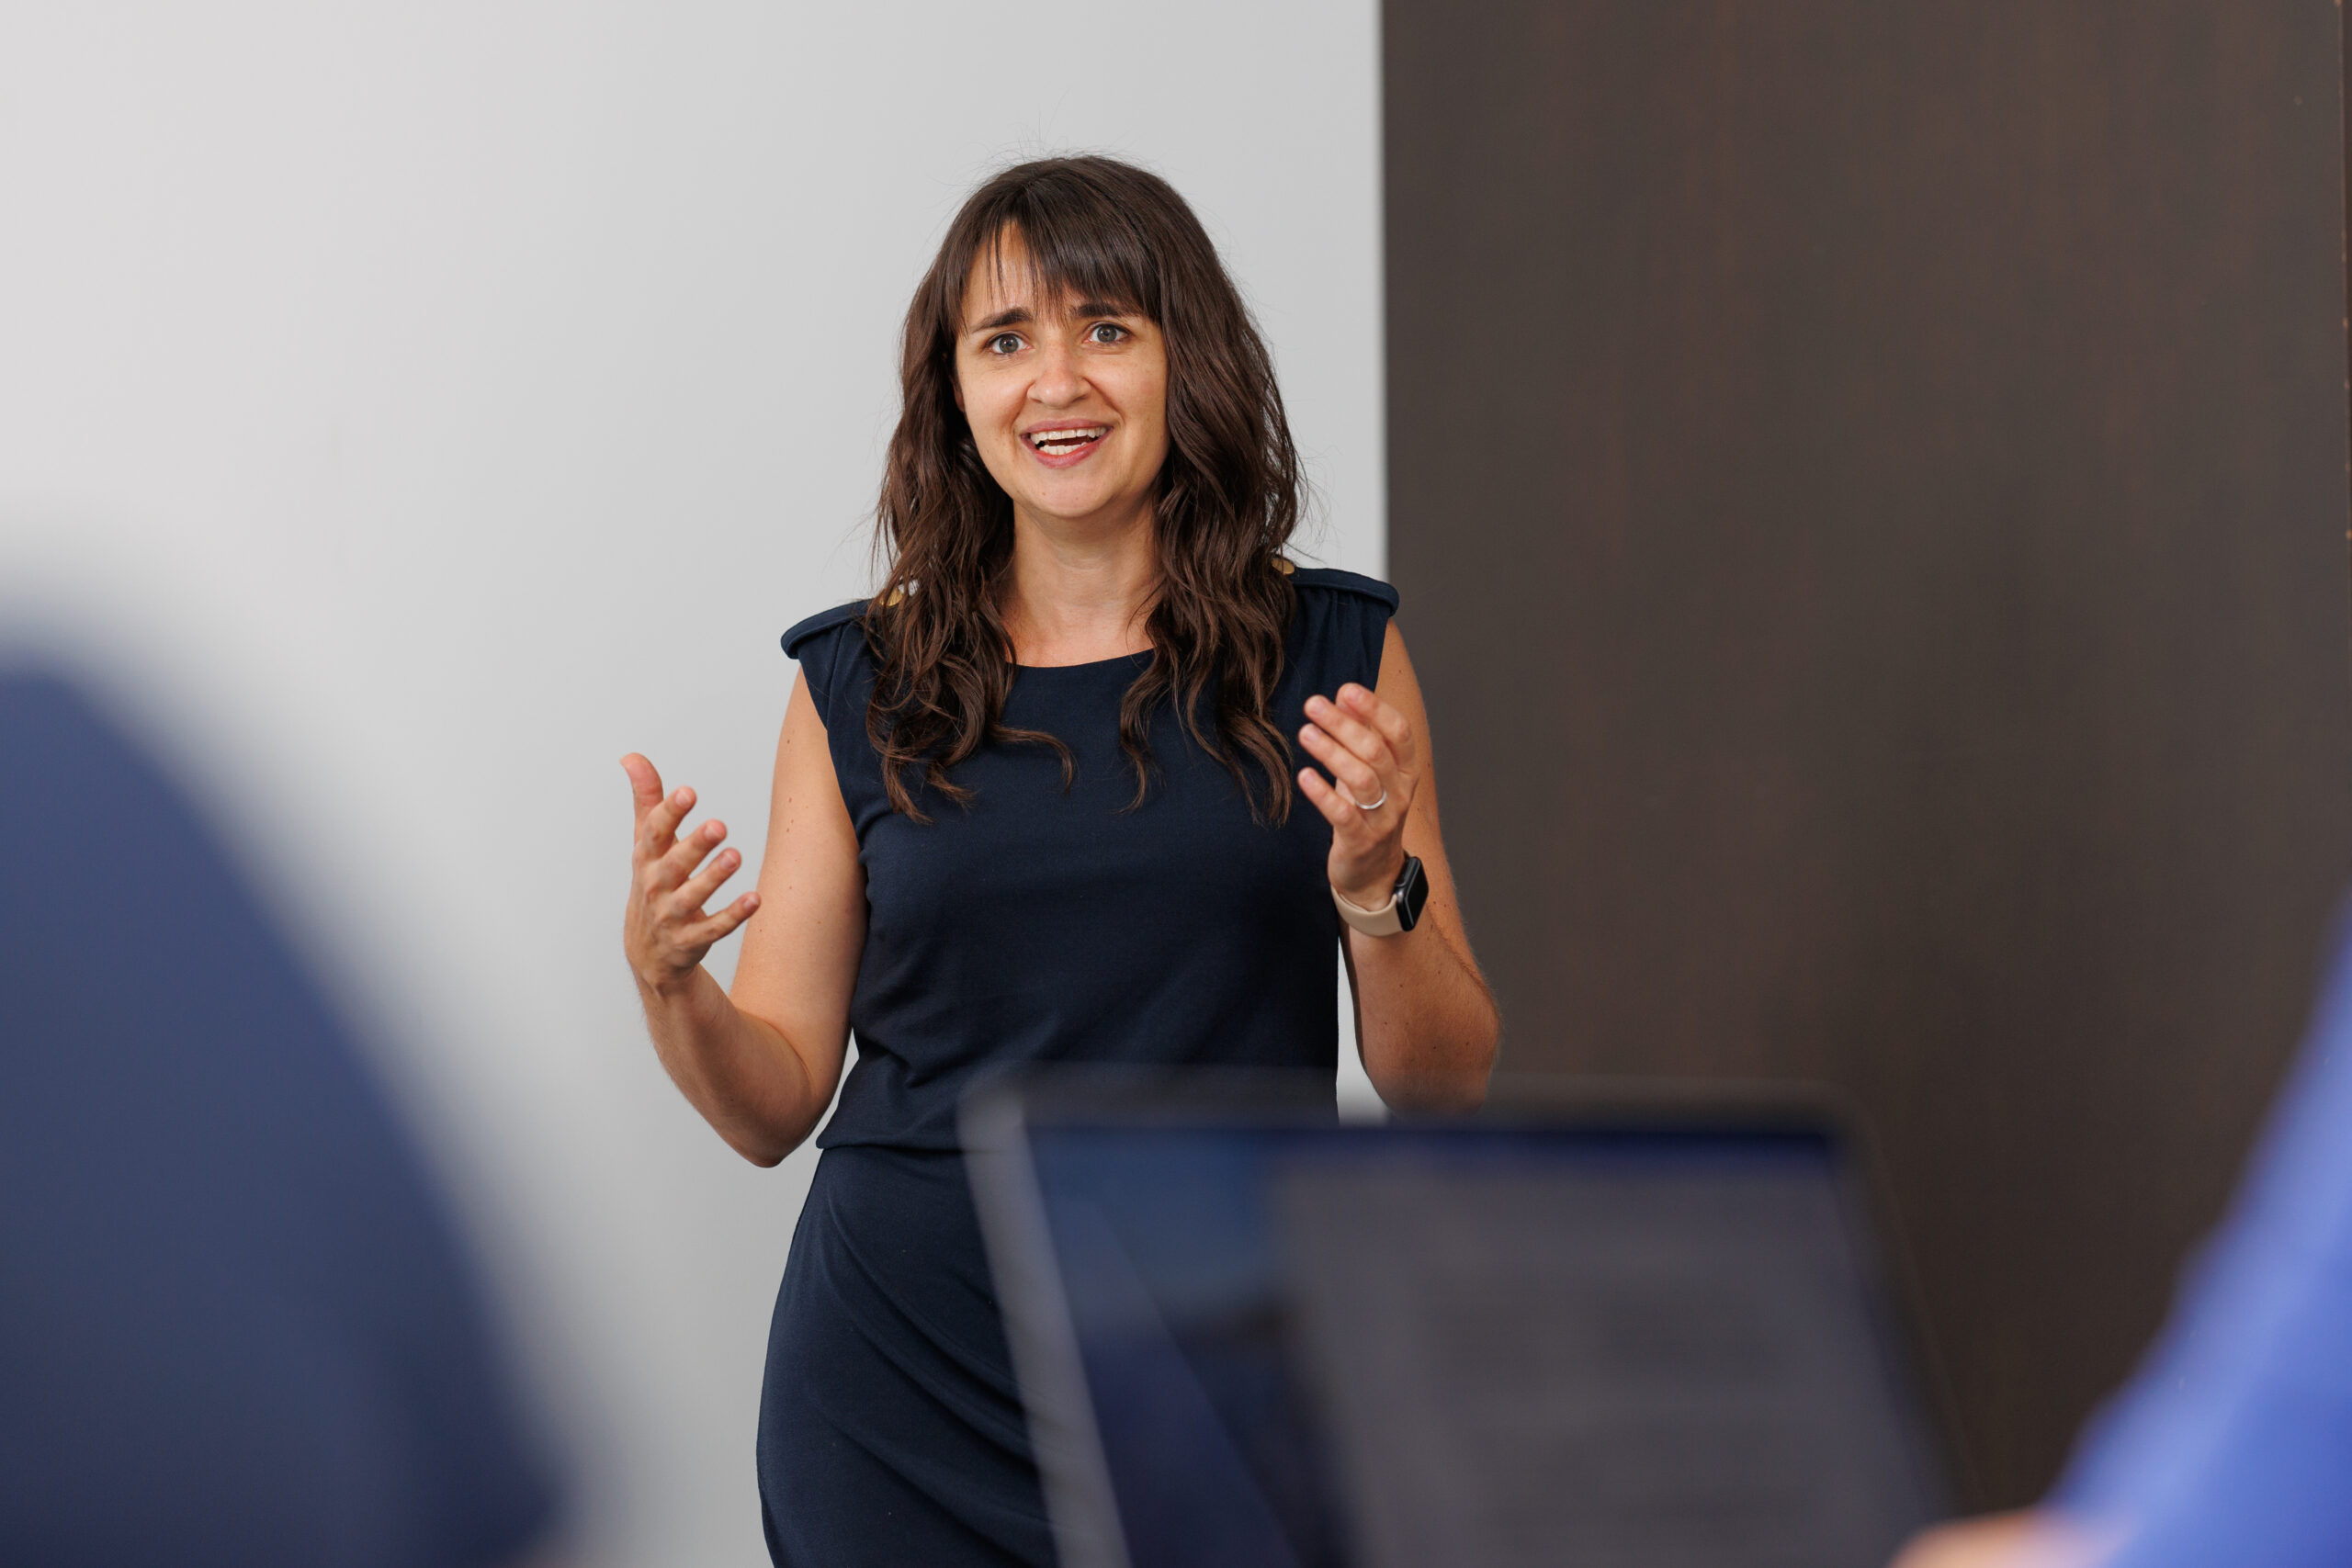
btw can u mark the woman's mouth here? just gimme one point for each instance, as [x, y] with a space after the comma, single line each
[1063, 444]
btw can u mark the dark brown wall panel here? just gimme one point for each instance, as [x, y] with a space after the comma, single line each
[1869, 491]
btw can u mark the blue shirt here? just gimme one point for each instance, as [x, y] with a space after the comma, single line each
[2233, 1443]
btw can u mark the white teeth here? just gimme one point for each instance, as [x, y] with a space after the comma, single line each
[1058, 442]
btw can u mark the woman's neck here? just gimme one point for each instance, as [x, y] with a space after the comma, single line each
[1079, 593]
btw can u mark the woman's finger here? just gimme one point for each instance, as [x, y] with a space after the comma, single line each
[1349, 731]
[1342, 817]
[653, 834]
[1383, 715]
[1353, 828]
[696, 891]
[1355, 775]
[1337, 755]
[672, 869]
[644, 784]
[710, 929]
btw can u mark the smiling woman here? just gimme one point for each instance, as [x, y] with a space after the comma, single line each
[1033, 803]
[1070, 299]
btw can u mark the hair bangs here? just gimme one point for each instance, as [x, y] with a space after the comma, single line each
[1083, 251]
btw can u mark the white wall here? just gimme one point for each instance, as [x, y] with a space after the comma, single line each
[407, 409]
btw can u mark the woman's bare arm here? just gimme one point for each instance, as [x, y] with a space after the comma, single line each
[761, 1064]
[1424, 1022]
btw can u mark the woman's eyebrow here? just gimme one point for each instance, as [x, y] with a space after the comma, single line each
[1012, 318]
[1019, 315]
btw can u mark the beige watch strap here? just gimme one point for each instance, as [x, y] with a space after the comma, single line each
[1383, 921]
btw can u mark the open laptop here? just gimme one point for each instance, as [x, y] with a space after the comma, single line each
[1640, 1332]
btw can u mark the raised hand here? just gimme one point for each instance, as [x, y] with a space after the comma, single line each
[665, 932]
[1374, 765]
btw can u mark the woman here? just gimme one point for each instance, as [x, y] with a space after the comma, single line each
[1034, 802]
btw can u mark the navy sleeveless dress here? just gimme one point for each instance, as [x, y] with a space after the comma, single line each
[1038, 925]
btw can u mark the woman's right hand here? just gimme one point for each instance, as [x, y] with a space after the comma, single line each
[665, 932]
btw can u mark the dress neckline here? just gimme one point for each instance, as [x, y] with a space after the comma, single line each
[1115, 659]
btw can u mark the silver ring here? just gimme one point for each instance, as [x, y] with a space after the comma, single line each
[1360, 805]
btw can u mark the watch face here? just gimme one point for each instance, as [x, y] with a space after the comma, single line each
[1412, 892]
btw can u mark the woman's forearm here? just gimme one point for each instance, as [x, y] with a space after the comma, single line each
[1426, 1021]
[739, 1071]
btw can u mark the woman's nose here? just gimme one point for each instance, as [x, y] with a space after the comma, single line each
[1057, 378]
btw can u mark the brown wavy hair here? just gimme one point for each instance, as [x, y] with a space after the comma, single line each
[1227, 501]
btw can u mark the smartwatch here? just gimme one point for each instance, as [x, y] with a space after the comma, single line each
[1400, 913]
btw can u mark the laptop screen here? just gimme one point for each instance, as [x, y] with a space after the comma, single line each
[1309, 1344]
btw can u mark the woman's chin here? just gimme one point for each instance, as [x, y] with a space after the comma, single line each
[1084, 505]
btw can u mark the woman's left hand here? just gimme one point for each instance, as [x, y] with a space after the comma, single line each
[1374, 765]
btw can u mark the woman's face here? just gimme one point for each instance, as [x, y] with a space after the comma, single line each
[1067, 399]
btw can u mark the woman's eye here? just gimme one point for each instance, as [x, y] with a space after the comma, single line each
[1004, 342]
[1104, 332]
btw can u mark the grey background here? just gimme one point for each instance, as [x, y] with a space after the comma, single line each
[407, 409]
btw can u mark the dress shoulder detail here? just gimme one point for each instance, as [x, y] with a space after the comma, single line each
[824, 621]
[1347, 582]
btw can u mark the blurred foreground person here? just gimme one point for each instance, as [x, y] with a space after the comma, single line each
[2234, 1444]
[235, 1327]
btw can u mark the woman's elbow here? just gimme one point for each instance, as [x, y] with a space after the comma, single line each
[1475, 1068]
[764, 1147]
[1466, 1085]
[1452, 1085]
[766, 1155]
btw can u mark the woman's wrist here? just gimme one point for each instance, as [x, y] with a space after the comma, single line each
[667, 991]
[1375, 893]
